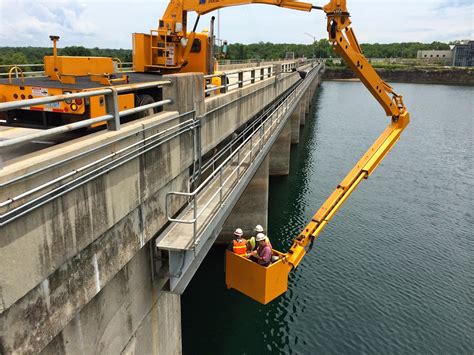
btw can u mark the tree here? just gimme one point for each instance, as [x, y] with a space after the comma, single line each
[77, 51]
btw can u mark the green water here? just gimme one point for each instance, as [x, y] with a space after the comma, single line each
[393, 271]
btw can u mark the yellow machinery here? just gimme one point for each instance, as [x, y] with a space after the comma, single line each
[67, 75]
[171, 49]
[264, 284]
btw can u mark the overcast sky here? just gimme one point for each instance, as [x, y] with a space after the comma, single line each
[109, 24]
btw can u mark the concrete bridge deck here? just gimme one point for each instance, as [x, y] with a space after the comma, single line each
[79, 267]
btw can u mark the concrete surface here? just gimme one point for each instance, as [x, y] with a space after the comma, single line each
[280, 153]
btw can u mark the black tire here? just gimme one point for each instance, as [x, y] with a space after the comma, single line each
[142, 100]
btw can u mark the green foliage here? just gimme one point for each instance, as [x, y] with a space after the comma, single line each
[322, 48]
[75, 51]
[35, 55]
[236, 51]
[400, 50]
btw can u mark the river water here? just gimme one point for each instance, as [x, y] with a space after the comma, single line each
[393, 271]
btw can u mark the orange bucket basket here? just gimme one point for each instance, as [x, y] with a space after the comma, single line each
[261, 283]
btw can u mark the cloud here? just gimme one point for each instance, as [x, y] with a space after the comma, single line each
[34, 21]
[109, 24]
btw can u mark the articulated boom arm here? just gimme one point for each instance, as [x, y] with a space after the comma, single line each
[176, 11]
[174, 21]
[345, 44]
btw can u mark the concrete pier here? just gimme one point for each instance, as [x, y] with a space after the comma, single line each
[302, 111]
[295, 126]
[280, 153]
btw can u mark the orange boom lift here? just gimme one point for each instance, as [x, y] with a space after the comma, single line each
[264, 284]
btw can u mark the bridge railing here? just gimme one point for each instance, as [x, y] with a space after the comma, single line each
[112, 116]
[237, 79]
[35, 70]
[226, 176]
[26, 201]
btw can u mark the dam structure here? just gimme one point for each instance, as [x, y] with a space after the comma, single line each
[101, 234]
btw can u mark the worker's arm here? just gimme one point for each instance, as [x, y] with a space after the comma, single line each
[345, 44]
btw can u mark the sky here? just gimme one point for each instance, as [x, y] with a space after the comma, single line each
[110, 23]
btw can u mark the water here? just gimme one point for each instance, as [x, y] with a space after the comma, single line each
[393, 271]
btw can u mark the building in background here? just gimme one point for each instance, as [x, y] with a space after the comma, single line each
[463, 54]
[436, 56]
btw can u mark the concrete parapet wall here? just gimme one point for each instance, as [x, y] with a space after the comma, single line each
[130, 315]
[227, 112]
[67, 251]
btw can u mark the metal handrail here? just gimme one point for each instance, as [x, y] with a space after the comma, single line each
[266, 71]
[111, 98]
[248, 129]
[115, 159]
[273, 118]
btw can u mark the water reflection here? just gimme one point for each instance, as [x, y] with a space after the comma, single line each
[392, 273]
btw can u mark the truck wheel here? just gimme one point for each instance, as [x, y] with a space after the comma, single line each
[142, 100]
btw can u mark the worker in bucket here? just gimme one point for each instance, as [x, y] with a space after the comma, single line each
[239, 244]
[263, 253]
[252, 242]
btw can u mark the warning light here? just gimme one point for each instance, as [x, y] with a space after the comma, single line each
[74, 107]
[78, 101]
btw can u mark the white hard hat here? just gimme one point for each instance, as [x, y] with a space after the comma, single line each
[258, 228]
[238, 232]
[260, 237]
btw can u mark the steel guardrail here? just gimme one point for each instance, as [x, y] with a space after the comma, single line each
[96, 168]
[112, 117]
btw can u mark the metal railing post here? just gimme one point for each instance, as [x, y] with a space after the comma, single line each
[223, 89]
[221, 187]
[238, 163]
[195, 218]
[251, 145]
[111, 105]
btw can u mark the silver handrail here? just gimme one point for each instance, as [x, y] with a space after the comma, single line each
[112, 117]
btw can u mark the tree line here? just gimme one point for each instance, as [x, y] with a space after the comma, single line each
[236, 51]
[322, 49]
[34, 55]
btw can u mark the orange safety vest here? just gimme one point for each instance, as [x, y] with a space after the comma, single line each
[239, 248]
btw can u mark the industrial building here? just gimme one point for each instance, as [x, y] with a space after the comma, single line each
[463, 54]
[445, 56]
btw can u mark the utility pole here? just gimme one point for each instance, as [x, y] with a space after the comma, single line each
[314, 43]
